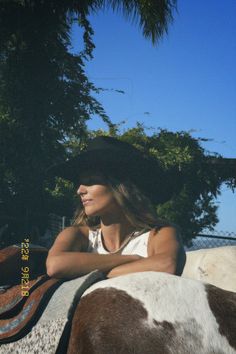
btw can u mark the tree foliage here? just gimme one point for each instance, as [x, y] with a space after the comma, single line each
[45, 95]
[193, 206]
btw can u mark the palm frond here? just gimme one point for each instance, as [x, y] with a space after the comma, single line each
[153, 16]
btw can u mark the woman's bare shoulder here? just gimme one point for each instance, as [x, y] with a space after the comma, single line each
[164, 238]
[72, 238]
[74, 231]
[170, 230]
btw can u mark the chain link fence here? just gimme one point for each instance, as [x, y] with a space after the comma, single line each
[58, 223]
[210, 239]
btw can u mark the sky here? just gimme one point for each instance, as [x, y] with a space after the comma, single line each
[187, 81]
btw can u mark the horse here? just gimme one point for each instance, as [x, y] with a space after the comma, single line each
[216, 266]
[154, 313]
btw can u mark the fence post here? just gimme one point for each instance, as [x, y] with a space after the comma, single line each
[63, 222]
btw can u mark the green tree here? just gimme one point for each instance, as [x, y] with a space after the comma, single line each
[190, 175]
[45, 95]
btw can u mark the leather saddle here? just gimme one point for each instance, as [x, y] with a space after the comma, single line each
[19, 313]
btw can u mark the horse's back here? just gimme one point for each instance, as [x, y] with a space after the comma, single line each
[154, 313]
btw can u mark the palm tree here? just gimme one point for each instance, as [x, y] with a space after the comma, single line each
[153, 15]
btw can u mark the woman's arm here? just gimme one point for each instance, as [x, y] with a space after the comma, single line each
[68, 257]
[165, 254]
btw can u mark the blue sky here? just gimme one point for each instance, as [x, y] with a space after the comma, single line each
[186, 82]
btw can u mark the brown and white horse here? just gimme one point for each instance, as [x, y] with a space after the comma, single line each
[154, 313]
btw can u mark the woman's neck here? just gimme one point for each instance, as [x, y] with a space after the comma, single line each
[115, 230]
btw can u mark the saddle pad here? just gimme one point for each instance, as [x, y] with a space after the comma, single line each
[43, 338]
[16, 324]
[12, 300]
[49, 334]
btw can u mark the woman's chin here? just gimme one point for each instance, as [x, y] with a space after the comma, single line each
[90, 213]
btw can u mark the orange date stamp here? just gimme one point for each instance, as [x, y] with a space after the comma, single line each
[25, 270]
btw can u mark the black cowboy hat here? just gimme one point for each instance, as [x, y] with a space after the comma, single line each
[121, 160]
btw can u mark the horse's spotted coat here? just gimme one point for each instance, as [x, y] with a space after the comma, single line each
[154, 313]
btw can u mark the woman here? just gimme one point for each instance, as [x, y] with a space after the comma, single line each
[116, 230]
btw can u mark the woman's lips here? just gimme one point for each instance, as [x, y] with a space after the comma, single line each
[88, 201]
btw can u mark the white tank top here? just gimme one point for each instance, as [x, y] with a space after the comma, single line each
[137, 244]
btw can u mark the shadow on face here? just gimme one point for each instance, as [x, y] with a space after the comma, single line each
[89, 178]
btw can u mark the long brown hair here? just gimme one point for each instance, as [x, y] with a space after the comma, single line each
[137, 208]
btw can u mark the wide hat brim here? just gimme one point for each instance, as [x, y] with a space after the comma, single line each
[124, 164]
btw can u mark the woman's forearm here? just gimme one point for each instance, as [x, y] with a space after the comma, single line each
[73, 264]
[153, 263]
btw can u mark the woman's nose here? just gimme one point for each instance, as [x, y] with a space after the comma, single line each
[81, 190]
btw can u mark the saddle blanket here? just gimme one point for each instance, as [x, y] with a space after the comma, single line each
[51, 333]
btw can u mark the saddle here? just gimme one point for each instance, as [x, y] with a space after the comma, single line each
[18, 314]
[20, 309]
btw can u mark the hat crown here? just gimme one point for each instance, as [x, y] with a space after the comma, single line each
[121, 160]
[110, 143]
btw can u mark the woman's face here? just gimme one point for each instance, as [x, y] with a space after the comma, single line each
[96, 195]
